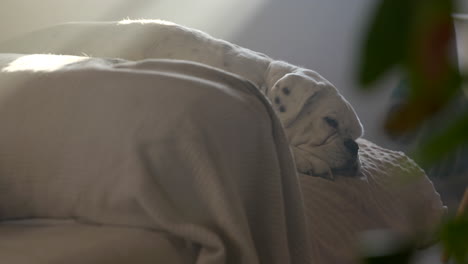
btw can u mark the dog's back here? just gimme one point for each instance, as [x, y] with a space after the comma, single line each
[139, 40]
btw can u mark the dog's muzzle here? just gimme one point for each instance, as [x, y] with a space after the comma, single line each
[352, 147]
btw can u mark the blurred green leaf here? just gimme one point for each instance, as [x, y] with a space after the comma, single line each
[441, 144]
[428, 58]
[387, 39]
[415, 35]
[421, 106]
[454, 238]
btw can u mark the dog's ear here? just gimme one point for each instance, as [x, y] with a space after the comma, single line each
[291, 93]
[292, 89]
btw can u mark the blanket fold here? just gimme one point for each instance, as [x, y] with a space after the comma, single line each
[188, 150]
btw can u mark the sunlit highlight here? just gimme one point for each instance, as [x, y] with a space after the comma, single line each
[41, 62]
[222, 19]
[145, 21]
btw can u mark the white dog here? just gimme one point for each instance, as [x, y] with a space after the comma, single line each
[320, 124]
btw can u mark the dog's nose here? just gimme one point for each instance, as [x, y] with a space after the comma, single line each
[352, 146]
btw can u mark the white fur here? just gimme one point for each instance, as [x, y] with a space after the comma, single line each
[302, 107]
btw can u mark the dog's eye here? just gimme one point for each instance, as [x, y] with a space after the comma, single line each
[331, 122]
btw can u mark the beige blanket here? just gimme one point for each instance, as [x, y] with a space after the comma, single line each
[45, 241]
[170, 146]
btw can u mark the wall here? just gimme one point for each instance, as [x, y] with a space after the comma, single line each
[322, 35]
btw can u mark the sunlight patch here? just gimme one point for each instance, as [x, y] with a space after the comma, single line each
[145, 21]
[41, 62]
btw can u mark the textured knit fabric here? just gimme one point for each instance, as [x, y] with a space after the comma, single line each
[394, 194]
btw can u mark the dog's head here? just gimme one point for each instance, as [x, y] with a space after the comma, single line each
[320, 124]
